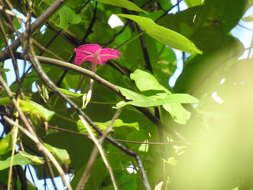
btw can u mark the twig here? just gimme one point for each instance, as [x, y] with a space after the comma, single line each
[101, 151]
[41, 148]
[14, 136]
[10, 51]
[51, 85]
[109, 85]
[42, 18]
[118, 140]
[145, 51]
[86, 35]
[86, 174]
[9, 12]
[31, 132]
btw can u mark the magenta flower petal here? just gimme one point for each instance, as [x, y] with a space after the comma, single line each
[108, 53]
[95, 54]
[91, 48]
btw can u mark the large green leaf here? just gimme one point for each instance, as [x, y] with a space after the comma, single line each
[123, 3]
[35, 109]
[154, 100]
[164, 35]
[178, 113]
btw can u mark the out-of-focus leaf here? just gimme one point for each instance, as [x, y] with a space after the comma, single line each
[4, 100]
[17, 160]
[67, 17]
[35, 109]
[248, 18]
[192, 3]
[124, 4]
[178, 113]
[60, 154]
[164, 35]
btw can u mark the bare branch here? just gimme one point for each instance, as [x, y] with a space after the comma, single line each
[42, 19]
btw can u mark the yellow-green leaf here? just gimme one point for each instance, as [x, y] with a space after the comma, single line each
[123, 3]
[164, 35]
[192, 3]
[35, 109]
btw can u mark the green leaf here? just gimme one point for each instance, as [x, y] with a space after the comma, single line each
[35, 109]
[154, 100]
[70, 94]
[192, 3]
[123, 3]
[178, 113]
[164, 35]
[68, 17]
[117, 123]
[17, 160]
[35, 159]
[4, 100]
[146, 81]
[6, 144]
[103, 125]
[60, 154]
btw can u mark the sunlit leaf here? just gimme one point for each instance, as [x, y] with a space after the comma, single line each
[17, 160]
[192, 3]
[36, 109]
[146, 81]
[35, 159]
[123, 3]
[178, 113]
[164, 35]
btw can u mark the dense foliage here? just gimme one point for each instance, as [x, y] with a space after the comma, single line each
[119, 125]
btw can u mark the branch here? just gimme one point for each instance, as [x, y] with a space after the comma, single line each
[109, 85]
[51, 85]
[30, 132]
[41, 20]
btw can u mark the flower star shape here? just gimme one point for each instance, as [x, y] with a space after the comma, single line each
[95, 54]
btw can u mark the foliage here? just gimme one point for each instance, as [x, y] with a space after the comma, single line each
[175, 131]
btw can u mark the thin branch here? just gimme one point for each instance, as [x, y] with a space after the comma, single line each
[10, 51]
[145, 51]
[118, 140]
[41, 148]
[109, 85]
[51, 85]
[86, 174]
[86, 35]
[42, 19]
[80, 185]
[31, 132]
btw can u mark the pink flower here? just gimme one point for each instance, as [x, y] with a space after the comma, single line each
[95, 54]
